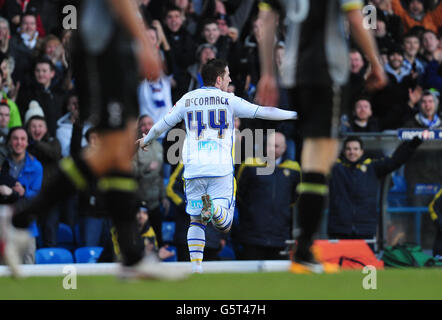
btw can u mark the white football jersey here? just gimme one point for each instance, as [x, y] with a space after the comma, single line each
[209, 114]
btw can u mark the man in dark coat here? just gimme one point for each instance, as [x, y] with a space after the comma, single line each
[354, 188]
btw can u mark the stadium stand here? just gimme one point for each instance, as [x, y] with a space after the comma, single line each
[87, 254]
[53, 256]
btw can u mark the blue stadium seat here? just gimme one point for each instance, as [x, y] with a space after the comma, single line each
[65, 237]
[87, 254]
[168, 230]
[174, 257]
[53, 256]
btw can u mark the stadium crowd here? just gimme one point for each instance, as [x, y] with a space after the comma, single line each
[39, 117]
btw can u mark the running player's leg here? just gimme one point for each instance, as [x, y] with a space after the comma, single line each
[196, 234]
[221, 192]
[320, 113]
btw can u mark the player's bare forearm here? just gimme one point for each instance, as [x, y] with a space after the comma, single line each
[131, 19]
[267, 90]
[362, 36]
[276, 114]
[266, 45]
[376, 79]
[128, 13]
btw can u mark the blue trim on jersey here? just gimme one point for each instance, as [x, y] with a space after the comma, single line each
[190, 251]
[228, 202]
[167, 123]
[254, 116]
[207, 177]
[211, 88]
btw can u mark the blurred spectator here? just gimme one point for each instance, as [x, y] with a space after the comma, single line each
[392, 22]
[43, 90]
[215, 240]
[5, 35]
[111, 250]
[252, 58]
[53, 49]
[430, 45]
[422, 169]
[16, 11]
[47, 150]
[227, 45]
[4, 121]
[148, 234]
[22, 48]
[411, 45]
[435, 209]
[390, 104]
[433, 74]
[9, 87]
[266, 202]
[356, 83]
[66, 123]
[28, 172]
[362, 120]
[190, 17]
[427, 117]
[14, 113]
[354, 187]
[416, 13]
[148, 168]
[155, 97]
[182, 47]
[143, 6]
[204, 53]
[384, 38]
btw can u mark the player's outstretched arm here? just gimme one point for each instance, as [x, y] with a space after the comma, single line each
[267, 91]
[156, 131]
[270, 113]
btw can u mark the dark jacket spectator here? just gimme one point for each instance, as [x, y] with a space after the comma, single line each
[265, 203]
[182, 46]
[362, 120]
[354, 187]
[15, 10]
[433, 75]
[47, 150]
[390, 104]
[41, 89]
[22, 48]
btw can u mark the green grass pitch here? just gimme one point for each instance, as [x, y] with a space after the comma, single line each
[410, 284]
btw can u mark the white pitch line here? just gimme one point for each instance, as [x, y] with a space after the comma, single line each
[56, 270]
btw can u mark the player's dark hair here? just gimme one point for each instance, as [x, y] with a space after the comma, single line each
[213, 69]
